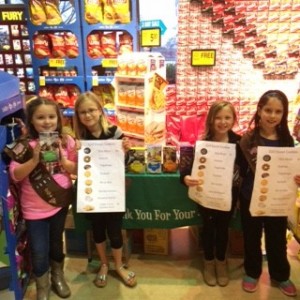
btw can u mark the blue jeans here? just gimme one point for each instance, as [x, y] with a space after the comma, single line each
[45, 238]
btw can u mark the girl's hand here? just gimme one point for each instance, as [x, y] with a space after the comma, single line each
[190, 181]
[297, 179]
[126, 144]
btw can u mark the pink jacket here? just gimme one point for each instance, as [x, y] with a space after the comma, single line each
[33, 206]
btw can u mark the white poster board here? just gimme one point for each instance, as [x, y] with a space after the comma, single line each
[213, 166]
[101, 176]
[274, 191]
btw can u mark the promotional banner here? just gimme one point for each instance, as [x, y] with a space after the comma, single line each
[101, 177]
[274, 191]
[213, 166]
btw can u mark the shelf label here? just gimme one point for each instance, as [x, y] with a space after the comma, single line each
[42, 80]
[94, 80]
[109, 63]
[150, 37]
[57, 62]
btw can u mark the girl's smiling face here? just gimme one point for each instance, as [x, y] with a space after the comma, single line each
[89, 114]
[44, 118]
[271, 114]
[224, 121]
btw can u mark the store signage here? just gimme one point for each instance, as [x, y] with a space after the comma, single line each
[203, 57]
[57, 62]
[150, 37]
[109, 63]
[153, 24]
[12, 16]
[42, 80]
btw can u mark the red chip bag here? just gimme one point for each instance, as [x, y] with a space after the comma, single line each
[109, 45]
[71, 44]
[94, 46]
[62, 96]
[74, 92]
[41, 47]
[46, 92]
[58, 45]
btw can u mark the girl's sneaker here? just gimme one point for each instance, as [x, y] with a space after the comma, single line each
[288, 288]
[249, 284]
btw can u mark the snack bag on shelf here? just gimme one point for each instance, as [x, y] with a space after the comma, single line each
[74, 92]
[41, 47]
[58, 45]
[125, 43]
[71, 45]
[116, 12]
[52, 12]
[93, 11]
[94, 46]
[37, 12]
[61, 95]
[109, 44]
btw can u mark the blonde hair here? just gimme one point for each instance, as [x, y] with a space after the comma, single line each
[211, 116]
[80, 130]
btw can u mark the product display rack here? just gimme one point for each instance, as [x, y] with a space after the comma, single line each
[15, 57]
[12, 105]
[57, 51]
[100, 70]
[139, 84]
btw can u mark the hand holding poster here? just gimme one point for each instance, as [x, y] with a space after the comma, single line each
[274, 191]
[101, 176]
[213, 166]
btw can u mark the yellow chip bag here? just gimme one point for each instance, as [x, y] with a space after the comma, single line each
[93, 11]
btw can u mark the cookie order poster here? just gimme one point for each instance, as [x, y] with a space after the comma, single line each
[274, 191]
[101, 177]
[213, 167]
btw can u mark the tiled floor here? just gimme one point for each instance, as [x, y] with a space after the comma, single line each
[167, 278]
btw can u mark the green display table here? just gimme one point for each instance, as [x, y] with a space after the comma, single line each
[152, 201]
[158, 201]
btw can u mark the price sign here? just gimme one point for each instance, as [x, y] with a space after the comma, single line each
[203, 57]
[150, 37]
[109, 63]
[57, 62]
[42, 80]
[95, 81]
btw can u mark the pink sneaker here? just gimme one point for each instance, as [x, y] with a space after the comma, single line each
[249, 284]
[288, 288]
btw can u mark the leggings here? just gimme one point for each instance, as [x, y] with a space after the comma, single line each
[109, 224]
[215, 232]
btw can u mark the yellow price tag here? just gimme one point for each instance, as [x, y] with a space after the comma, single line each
[42, 80]
[57, 62]
[150, 37]
[94, 80]
[109, 63]
[203, 57]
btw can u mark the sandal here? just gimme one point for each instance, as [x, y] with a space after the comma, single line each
[101, 278]
[128, 279]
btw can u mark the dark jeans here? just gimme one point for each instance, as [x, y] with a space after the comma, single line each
[215, 232]
[46, 241]
[275, 241]
[110, 224]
